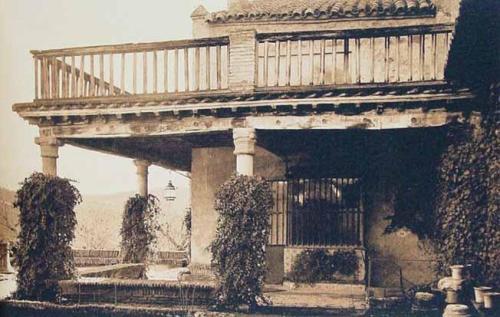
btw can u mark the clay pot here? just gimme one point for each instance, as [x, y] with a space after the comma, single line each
[491, 300]
[455, 310]
[479, 292]
[452, 297]
[457, 272]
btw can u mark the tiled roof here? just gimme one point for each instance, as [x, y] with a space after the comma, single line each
[265, 10]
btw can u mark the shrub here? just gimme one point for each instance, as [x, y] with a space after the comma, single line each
[238, 250]
[139, 228]
[312, 266]
[47, 222]
[317, 265]
[345, 262]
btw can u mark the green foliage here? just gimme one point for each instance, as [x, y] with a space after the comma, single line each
[312, 266]
[468, 214]
[47, 222]
[345, 262]
[318, 265]
[238, 250]
[139, 228]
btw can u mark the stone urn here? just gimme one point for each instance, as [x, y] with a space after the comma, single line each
[425, 301]
[479, 293]
[491, 300]
[457, 310]
[457, 272]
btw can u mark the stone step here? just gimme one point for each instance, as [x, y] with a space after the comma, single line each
[317, 300]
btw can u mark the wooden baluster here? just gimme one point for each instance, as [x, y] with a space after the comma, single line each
[334, 61]
[422, 56]
[165, 74]
[54, 77]
[358, 59]
[111, 75]
[398, 59]
[410, 52]
[311, 61]
[35, 60]
[346, 61]
[122, 74]
[73, 77]
[155, 72]
[43, 75]
[434, 58]
[288, 62]
[92, 77]
[208, 66]
[219, 66]
[134, 73]
[372, 46]
[64, 78]
[101, 75]
[299, 44]
[277, 65]
[82, 75]
[197, 69]
[266, 63]
[144, 72]
[176, 70]
[386, 60]
[322, 62]
[186, 69]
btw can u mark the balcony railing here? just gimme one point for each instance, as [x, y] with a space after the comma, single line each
[150, 68]
[351, 57]
[355, 57]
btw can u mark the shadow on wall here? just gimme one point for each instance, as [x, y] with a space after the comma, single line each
[474, 57]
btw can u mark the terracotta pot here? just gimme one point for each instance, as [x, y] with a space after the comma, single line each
[457, 271]
[455, 310]
[491, 300]
[452, 297]
[479, 292]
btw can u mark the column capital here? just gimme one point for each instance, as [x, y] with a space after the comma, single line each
[49, 147]
[244, 141]
[142, 164]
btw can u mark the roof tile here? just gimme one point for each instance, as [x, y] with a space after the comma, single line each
[264, 10]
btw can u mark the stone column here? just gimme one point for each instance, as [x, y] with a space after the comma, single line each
[142, 176]
[244, 149]
[49, 150]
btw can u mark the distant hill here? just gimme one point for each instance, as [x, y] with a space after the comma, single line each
[99, 219]
[9, 215]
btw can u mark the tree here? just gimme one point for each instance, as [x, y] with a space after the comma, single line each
[238, 251]
[139, 228]
[47, 219]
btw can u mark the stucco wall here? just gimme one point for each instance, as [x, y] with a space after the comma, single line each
[211, 167]
[401, 249]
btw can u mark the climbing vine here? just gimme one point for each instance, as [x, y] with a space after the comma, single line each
[139, 228]
[47, 221]
[468, 219]
[238, 250]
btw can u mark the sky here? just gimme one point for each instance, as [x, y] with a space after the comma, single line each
[37, 25]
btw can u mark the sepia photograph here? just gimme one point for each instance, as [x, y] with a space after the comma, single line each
[232, 158]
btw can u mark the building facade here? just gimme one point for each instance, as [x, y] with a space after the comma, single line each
[328, 100]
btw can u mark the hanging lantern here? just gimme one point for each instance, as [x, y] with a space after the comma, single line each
[170, 194]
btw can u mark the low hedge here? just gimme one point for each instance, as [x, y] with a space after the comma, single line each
[14, 308]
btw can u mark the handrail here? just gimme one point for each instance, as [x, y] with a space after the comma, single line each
[131, 47]
[144, 68]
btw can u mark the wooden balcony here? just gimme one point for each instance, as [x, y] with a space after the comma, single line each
[353, 70]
